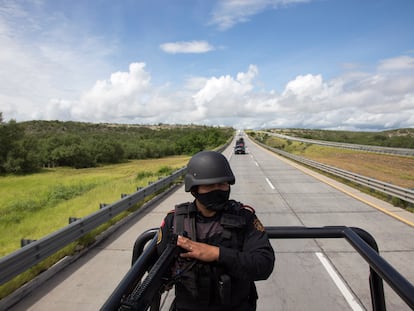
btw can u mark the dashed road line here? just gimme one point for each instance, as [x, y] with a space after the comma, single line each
[349, 297]
[270, 183]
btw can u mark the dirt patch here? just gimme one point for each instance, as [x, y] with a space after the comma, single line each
[395, 170]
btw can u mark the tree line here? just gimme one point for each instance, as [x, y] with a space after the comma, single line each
[26, 147]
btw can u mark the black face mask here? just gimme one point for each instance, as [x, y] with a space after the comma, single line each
[214, 200]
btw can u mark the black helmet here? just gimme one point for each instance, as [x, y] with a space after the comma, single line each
[206, 168]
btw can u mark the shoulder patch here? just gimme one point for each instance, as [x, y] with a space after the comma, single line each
[249, 208]
[159, 237]
[258, 225]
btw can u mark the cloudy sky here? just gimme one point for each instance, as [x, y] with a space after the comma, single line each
[329, 64]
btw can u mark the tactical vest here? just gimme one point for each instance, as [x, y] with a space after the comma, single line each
[207, 283]
[227, 227]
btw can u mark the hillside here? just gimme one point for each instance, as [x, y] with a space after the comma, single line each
[398, 138]
[30, 146]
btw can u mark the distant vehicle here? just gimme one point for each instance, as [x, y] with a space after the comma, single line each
[239, 150]
[240, 147]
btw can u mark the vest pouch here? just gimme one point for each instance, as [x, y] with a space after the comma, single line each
[204, 284]
[224, 289]
[195, 282]
[186, 277]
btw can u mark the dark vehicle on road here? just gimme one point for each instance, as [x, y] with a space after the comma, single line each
[240, 147]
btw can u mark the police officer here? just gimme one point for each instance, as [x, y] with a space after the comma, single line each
[224, 245]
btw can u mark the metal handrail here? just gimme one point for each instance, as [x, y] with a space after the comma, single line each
[139, 267]
[367, 247]
[363, 242]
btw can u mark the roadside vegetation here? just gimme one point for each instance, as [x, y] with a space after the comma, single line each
[52, 170]
[400, 138]
[32, 206]
[35, 205]
[27, 147]
[393, 169]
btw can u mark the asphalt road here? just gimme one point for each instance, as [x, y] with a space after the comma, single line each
[322, 274]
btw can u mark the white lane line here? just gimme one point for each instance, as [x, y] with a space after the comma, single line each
[350, 299]
[257, 164]
[270, 184]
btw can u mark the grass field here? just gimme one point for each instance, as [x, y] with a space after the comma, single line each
[35, 205]
[395, 170]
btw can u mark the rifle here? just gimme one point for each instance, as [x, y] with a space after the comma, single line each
[136, 294]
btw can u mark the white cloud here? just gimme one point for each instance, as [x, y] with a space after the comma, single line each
[398, 63]
[304, 86]
[186, 47]
[352, 101]
[231, 12]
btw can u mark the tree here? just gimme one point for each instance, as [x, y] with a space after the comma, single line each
[23, 158]
[10, 134]
[108, 151]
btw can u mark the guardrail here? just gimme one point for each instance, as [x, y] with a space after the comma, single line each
[389, 189]
[19, 261]
[368, 148]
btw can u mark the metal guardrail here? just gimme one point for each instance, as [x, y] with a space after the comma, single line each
[368, 148]
[19, 261]
[392, 190]
[363, 242]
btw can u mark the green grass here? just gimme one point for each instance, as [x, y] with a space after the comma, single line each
[35, 205]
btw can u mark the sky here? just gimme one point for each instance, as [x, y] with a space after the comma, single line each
[249, 64]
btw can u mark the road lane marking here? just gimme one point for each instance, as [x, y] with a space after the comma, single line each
[341, 188]
[270, 183]
[381, 209]
[349, 297]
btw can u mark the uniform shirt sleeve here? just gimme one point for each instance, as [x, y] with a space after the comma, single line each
[256, 260]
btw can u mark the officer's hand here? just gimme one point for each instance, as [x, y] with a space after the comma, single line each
[197, 250]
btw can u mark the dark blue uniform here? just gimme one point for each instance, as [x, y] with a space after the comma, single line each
[246, 255]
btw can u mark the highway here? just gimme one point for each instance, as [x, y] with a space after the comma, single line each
[321, 274]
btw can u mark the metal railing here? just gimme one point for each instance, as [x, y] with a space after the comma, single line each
[19, 261]
[368, 148]
[389, 189]
[365, 244]
[359, 239]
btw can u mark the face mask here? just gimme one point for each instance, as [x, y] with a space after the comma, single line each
[214, 200]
